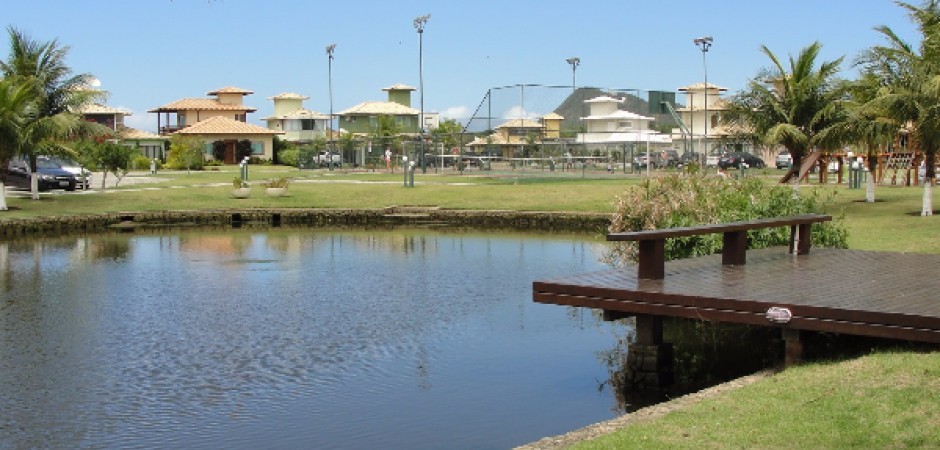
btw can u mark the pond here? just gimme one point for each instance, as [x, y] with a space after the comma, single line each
[296, 339]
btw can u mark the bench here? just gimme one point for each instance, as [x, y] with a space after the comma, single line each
[652, 243]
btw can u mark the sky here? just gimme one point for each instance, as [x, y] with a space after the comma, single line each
[150, 53]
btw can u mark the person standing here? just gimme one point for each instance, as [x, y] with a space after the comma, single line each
[388, 160]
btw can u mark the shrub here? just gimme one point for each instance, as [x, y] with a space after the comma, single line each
[281, 182]
[680, 200]
[289, 156]
[141, 162]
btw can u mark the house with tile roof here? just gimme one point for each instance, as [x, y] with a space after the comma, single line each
[107, 116]
[298, 124]
[509, 138]
[361, 119]
[148, 144]
[222, 118]
[188, 111]
[230, 132]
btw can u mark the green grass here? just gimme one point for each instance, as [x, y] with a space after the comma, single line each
[885, 400]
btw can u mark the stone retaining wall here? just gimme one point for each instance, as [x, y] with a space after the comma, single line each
[391, 216]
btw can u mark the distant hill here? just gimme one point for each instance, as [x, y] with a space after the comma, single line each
[573, 108]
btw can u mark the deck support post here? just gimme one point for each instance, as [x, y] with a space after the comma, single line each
[793, 351]
[649, 360]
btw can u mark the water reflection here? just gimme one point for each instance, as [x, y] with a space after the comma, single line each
[290, 339]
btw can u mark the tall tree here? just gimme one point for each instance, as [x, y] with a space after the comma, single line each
[57, 95]
[909, 76]
[790, 106]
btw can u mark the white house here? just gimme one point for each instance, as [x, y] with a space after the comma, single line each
[608, 124]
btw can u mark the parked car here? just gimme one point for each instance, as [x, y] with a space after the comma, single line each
[691, 157]
[671, 157]
[325, 159]
[656, 161]
[51, 176]
[712, 159]
[82, 175]
[735, 159]
[784, 160]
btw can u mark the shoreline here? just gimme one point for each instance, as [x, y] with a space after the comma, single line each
[642, 415]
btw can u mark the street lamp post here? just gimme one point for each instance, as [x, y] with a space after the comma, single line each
[575, 62]
[705, 43]
[419, 24]
[329, 54]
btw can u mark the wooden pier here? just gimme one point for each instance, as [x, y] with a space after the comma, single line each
[880, 294]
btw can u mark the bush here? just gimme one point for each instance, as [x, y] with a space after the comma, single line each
[681, 200]
[289, 156]
[141, 162]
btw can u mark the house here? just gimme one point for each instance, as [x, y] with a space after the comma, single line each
[362, 119]
[702, 116]
[107, 116]
[188, 111]
[148, 144]
[510, 138]
[231, 132]
[298, 124]
[223, 118]
[607, 125]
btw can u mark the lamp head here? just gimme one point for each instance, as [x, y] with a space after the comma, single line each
[329, 50]
[704, 42]
[420, 22]
[574, 61]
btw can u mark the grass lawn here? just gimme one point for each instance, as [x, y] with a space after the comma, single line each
[877, 401]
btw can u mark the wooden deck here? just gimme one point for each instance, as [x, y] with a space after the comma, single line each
[889, 295]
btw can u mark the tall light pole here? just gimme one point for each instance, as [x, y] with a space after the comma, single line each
[419, 24]
[329, 54]
[575, 62]
[705, 43]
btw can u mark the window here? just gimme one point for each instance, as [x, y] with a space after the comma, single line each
[308, 124]
[257, 148]
[714, 120]
[624, 124]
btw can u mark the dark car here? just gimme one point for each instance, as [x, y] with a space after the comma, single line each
[735, 159]
[51, 176]
[691, 157]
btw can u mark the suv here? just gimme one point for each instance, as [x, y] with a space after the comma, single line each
[82, 175]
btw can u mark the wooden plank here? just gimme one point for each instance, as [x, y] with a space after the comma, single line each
[878, 294]
[718, 227]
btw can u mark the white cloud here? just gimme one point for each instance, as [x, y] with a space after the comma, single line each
[517, 112]
[458, 113]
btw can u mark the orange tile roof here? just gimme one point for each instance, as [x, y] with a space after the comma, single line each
[230, 90]
[225, 125]
[205, 104]
[133, 133]
[376, 108]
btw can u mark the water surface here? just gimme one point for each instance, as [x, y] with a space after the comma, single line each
[295, 339]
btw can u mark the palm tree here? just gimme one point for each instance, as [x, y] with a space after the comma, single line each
[57, 94]
[16, 105]
[790, 106]
[910, 84]
[863, 124]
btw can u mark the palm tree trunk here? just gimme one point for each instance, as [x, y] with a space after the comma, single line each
[3, 197]
[870, 188]
[34, 185]
[927, 206]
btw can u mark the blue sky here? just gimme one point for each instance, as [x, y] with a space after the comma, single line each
[149, 53]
